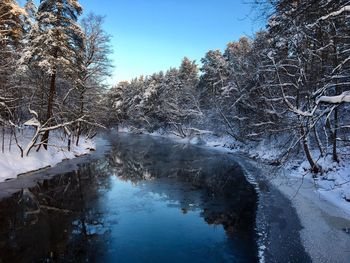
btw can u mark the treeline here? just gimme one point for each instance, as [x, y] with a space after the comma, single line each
[52, 70]
[292, 81]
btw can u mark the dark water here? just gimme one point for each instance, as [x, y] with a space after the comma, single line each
[146, 200]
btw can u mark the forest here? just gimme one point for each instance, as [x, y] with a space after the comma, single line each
[288, 84]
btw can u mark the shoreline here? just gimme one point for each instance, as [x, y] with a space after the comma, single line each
[30, 179]
[12, 165]
[325, 229]
[323, 233]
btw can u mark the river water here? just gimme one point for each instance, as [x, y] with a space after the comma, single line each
[145, 200]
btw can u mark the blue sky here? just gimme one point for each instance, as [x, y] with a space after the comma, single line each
[153, 35]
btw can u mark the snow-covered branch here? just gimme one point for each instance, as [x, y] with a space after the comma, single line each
[344, 97]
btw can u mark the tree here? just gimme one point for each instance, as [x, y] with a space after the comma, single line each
[56, 48]
[96, 68]
[304, 58]
[11, 23]
[290, 81]
[214, 74]
[11, 34]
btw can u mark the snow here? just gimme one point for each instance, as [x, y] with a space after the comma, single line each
[323, 234]
[262, 249]
[11, 163]
[333, 185]
[32, 122]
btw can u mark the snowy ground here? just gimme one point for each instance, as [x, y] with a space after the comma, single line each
[332, 186]
[11, 163]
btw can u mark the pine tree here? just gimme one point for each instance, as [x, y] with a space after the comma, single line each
[11, 23]
[11, 34]
[215, 73]
[56, 47]
[188, 73]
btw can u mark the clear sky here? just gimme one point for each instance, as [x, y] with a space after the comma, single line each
[153, 35]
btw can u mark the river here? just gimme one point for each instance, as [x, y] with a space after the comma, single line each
[145, 199]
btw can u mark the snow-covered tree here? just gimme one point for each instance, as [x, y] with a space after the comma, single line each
[305, 39]
[11, 23]
[214, 74]
[11, 34]
[56, 47]
[96, 68]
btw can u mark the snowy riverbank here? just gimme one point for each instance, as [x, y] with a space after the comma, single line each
[11, 163]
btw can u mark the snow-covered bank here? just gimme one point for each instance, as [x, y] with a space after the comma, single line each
[332, 185]
[324, 231]
[326, 224]
[11, 163]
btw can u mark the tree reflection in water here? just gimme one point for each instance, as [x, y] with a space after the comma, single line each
[36, 224]
[226, 197]
[65, 218]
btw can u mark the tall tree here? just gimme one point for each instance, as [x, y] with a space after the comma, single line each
[96, 68]
[56, 47]
[11, 34]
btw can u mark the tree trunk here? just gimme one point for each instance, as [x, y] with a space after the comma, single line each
[335, 135]
[338, 91]
[45, 137]
[314, 167]
[3, 140]
[10, 143]
[318, 141]
[81, 115]
[69, 142]
[16, 140]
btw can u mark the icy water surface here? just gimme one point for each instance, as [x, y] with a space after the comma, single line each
[147, 200]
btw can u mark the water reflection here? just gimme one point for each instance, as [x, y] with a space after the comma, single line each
[225, 191]
[148, 200]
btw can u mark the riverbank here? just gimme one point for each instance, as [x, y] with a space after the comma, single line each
[325, 227]
[12, 164]
[32, 178]
[325, 235]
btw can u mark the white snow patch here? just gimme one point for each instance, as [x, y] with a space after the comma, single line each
[262, 249]
[11, 163]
